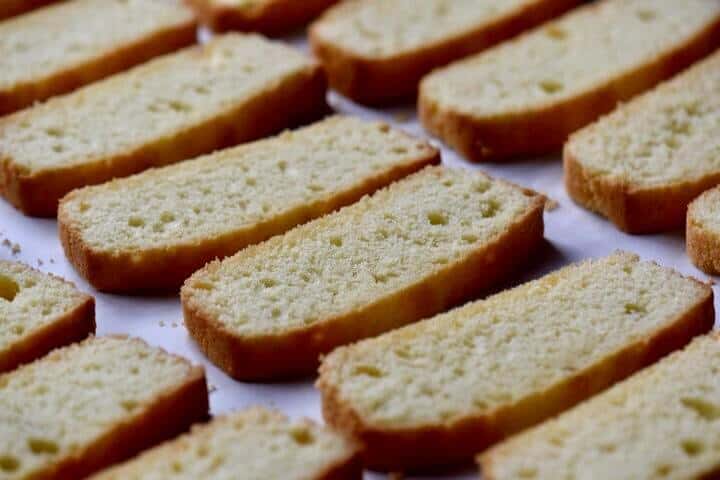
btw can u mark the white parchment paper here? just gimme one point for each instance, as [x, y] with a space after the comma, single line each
[572, 233]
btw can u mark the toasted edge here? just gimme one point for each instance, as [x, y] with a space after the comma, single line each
[188, 403]
[486, 461]
[379, 80]
[271, 17]
[167, 268]
[297, 352]
[633, 209]
[127, 55]
[703, 246]
[295, 100]
[442, 445]
[10, 8]
[544, 129]
[73, 326]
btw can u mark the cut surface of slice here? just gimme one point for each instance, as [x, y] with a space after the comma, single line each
[525, 96]
[703, 231]
[442, 390]
[423, 244]
[154, 229]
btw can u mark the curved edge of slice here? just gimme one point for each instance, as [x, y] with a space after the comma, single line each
[74, 325]
[345, 466]
[10, 8]
[168, 267]
[703, 243]
[296, 352]
[270, 17]
[543, 130]
[377, 81]
[435, 445]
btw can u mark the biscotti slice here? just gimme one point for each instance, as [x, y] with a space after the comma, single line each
[527, 95]
[10, 8]
[84, 407]
[643, 164]
[256, 444]
[440, 391]
[703, 231]
[59, 48]
[233, 89]
[271, 17]
[377, 51]
[423, 244]
[39, 312]
[660, 423]
[153, 230]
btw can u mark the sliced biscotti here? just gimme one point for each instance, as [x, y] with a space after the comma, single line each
[271, 17]
[703, 231]
[643, 164]
[84, 407]
[409, 251]
[39, 312]
[378, 50]
[259, 443]
[234, 88]
[527, 95]
[154, 229]
[660, 423]
[59, 48]
[444, 389]
[10, 8]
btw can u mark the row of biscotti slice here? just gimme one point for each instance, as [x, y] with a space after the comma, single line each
[271, 17]
[527, 95]
[38, 313]
[661, 423]
[409, 251]
[440, 391]
[87, 406]
[153, 230]
[234, 88]
[378, 50]
[56, 49]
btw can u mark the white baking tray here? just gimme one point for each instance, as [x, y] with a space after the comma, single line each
[572, 233]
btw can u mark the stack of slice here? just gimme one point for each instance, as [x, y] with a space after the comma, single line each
[442, 390]
[412, 250]
[84, 407]
[255, 444]
[155, 229]
[39, 312]
[527, 95]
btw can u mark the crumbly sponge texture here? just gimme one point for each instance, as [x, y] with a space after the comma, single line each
[238, 189]
[149, 103]
[259, 443]
[661, 423]
[665, 137]
[31, 300]
[494, 353]
[392, 27]
[55, 407]
[565, 58]
[50, 40]
[346, 261]
[704, 212]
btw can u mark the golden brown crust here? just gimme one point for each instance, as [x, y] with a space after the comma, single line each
[633, 209]
[297, 99]
[544, 130]
[271, 17]
[10, 8]
[297, 352]
[168, 268]
[703, 246]
[376, 81]
[173, 412]
[433, 445]
[158, 43]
